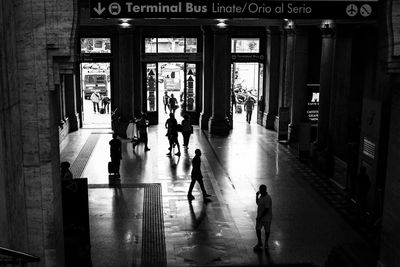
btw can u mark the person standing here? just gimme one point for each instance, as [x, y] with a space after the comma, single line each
[197, 176]
[95, 98]
[264, 215]
[142, 125]
[105, 102]
[166, 101]
[249, 106]
[187, 130]
[115, 152]
[172, 133]
[66, 174]
[173, 104]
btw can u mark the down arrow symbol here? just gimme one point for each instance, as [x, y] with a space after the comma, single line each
[99, 9]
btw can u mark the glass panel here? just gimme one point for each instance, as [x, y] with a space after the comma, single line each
[150, 45]
[245, 45]
[171, 45]
[191, 45]
[151, 87]
[191, 87]
[261, 100]
[95, 45]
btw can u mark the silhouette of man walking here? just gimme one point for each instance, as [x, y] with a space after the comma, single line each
[197, 176]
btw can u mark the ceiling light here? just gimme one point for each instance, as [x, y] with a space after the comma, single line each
[221, 23]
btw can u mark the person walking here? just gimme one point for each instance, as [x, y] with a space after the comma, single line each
[197, 176]
[172, 133]
[142, 125]
[173, 104]
[115, 153]
[166, 101]
[249, 106]
[66, 174]
[95, 98]
[187, 130]
[264, 216]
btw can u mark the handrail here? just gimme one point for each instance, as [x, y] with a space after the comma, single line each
[19, 255]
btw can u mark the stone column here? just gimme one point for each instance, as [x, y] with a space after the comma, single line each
[219, 123]
[287, 83]
[137, 73]
[207, 77]
[299, 84]
[273, 68]
[125, 88]
[70, 101]
[326, 78]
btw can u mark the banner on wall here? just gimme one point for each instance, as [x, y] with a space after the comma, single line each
[219, 9]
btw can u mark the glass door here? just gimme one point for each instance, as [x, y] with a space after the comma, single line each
[151, 96]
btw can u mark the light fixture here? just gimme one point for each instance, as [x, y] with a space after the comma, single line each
[221, 23]
[327, 24]
[125, 23]
[289, 24]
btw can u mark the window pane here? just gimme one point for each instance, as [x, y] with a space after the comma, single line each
[191, 45]
[245, 45]
[151, 87]
[150, 45]
[95, 45]
[191, 87]
[171, 45]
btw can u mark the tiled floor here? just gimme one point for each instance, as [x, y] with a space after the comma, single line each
[219, 233]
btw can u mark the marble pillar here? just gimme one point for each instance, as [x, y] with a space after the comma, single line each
[326, 78]
[207, 77]
[299, 83]
[273, 68]
[219, 123]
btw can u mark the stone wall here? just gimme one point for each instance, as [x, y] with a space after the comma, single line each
[38, 35]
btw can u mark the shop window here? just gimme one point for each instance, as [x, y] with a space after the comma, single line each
[245, 45]
[95, 45]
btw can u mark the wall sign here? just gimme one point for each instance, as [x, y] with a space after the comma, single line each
[233, 9]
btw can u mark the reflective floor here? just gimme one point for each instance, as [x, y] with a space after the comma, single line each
[218, 233]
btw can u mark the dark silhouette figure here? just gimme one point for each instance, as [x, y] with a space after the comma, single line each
[166, 101]
[95, 98]
[115, 153]
[187, 130]
[105, 103]
[66, 174]
[142, 125]
[197, 176]
[264, 216]
[249, 106]
[362, 188]
[172, 133]
[173, 104]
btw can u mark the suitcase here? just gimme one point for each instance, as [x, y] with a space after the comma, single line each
[111, 168]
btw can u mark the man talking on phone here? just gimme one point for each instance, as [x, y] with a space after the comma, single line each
[264, 216]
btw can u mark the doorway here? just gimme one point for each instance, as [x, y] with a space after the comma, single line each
[95, 94]
[166, 81]
[246, 84]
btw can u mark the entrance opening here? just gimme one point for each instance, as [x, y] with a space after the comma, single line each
[246, 86]
[96, 94]
[170, 87]
[171, 83]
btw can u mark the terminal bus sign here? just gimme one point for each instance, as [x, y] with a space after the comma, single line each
[233, 9]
